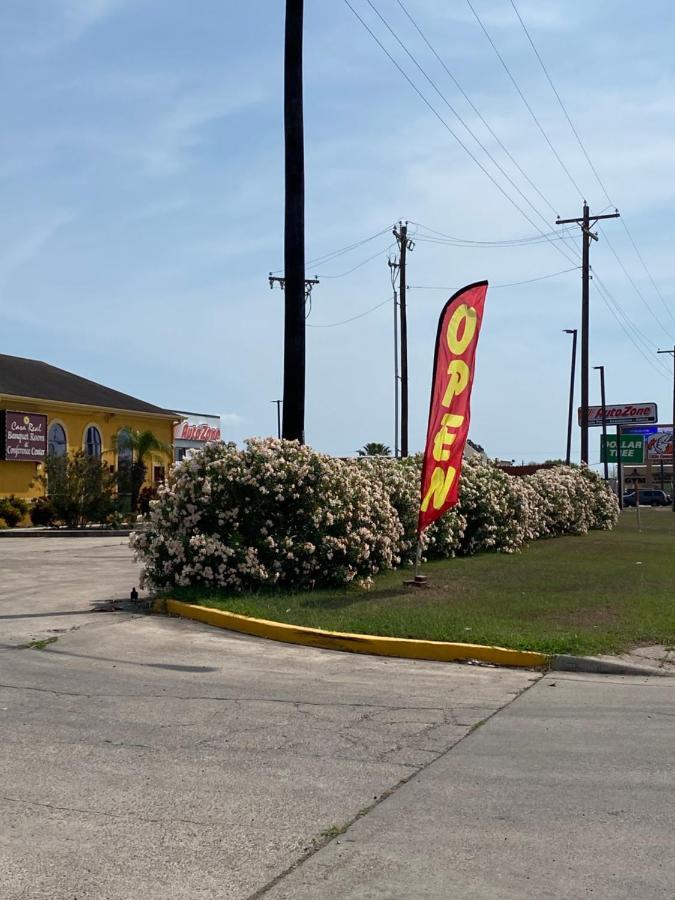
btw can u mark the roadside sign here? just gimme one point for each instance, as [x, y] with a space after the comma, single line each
[640, 429]
[632, 449]
[623, 414]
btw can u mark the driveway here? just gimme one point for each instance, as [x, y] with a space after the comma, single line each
[49, 586]
[148, 757]
[158, 758]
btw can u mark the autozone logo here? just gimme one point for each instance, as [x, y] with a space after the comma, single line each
[630, 412]
[203, 433]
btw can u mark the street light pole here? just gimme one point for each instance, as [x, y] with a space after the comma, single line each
[573, 332]
[601, 369]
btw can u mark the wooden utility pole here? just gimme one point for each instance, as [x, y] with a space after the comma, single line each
[401, 235]
[587, 237]
[672, 441]
[294, 229]
[570, 411]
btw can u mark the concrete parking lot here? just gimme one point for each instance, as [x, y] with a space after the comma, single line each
[157, 758]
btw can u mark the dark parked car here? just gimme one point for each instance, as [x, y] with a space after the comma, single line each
[648, 498]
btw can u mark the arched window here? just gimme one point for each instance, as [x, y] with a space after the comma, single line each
[92, 442]
[56, 440]
[125, 455]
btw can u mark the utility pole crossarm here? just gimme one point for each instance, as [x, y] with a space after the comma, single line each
[579, 221]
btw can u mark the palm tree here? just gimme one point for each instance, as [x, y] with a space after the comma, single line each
[373, 448]
[139, 445]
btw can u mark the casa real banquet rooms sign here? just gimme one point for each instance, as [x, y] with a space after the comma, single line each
[23, 436]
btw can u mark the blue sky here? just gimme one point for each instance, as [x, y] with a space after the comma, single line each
[141, 169]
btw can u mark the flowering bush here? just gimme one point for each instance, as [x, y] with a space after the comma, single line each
[273, 513]
[280, 513]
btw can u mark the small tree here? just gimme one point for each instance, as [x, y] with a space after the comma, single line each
[142, 444]
[373, 448]
[80, 488]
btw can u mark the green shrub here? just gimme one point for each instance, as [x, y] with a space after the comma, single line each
[42, 512]
[80, 488]
[12, 509]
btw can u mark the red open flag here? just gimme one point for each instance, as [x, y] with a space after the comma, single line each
[450, 408]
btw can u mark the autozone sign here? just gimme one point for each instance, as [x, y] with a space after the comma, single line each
[623, 414]
[203, 432]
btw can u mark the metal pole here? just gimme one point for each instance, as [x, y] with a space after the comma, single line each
[601, 369]
[418, 557]
[672, 439]
[568, 455]
[278, 403]
[294, 229]
[619, 467]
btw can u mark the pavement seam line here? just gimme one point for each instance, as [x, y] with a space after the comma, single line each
[192, 697]
[318, 844]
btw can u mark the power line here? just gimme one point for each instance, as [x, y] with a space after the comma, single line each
[592, 166]
[429, 287]
[445, 125]
[651, 278]
[635, 287]
[457, 115]
[475, 108]
[353, 318]
[359, 265]
[328, 257]
[562, 105]
[617, 311]
[524, 99]
[531, 239]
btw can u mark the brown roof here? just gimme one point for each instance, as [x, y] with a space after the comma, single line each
[38, 380]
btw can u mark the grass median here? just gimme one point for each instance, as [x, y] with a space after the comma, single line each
[597, 593]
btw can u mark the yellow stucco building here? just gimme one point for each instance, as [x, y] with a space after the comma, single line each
[44, 410]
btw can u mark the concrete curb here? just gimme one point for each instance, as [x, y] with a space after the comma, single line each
[439, 651]
[599, 666]
[63, 532]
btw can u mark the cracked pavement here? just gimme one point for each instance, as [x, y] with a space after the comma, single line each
[153, 757]
[159, 758]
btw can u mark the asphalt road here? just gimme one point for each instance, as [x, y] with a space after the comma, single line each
[157, 758]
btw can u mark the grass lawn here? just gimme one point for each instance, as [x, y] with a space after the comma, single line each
[602, 592]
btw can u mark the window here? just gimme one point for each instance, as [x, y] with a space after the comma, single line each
[56, 440]
[125, 455]
[92, 442]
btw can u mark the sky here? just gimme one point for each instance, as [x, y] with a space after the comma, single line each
[141, 171]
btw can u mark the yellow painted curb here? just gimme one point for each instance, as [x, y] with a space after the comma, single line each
[441, 651]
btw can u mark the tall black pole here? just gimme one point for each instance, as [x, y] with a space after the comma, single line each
[601, 369]
[402, 236]
[585, 317]
[294, 229]
[570, 412]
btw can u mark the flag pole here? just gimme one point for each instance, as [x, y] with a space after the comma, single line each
[418, 580]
